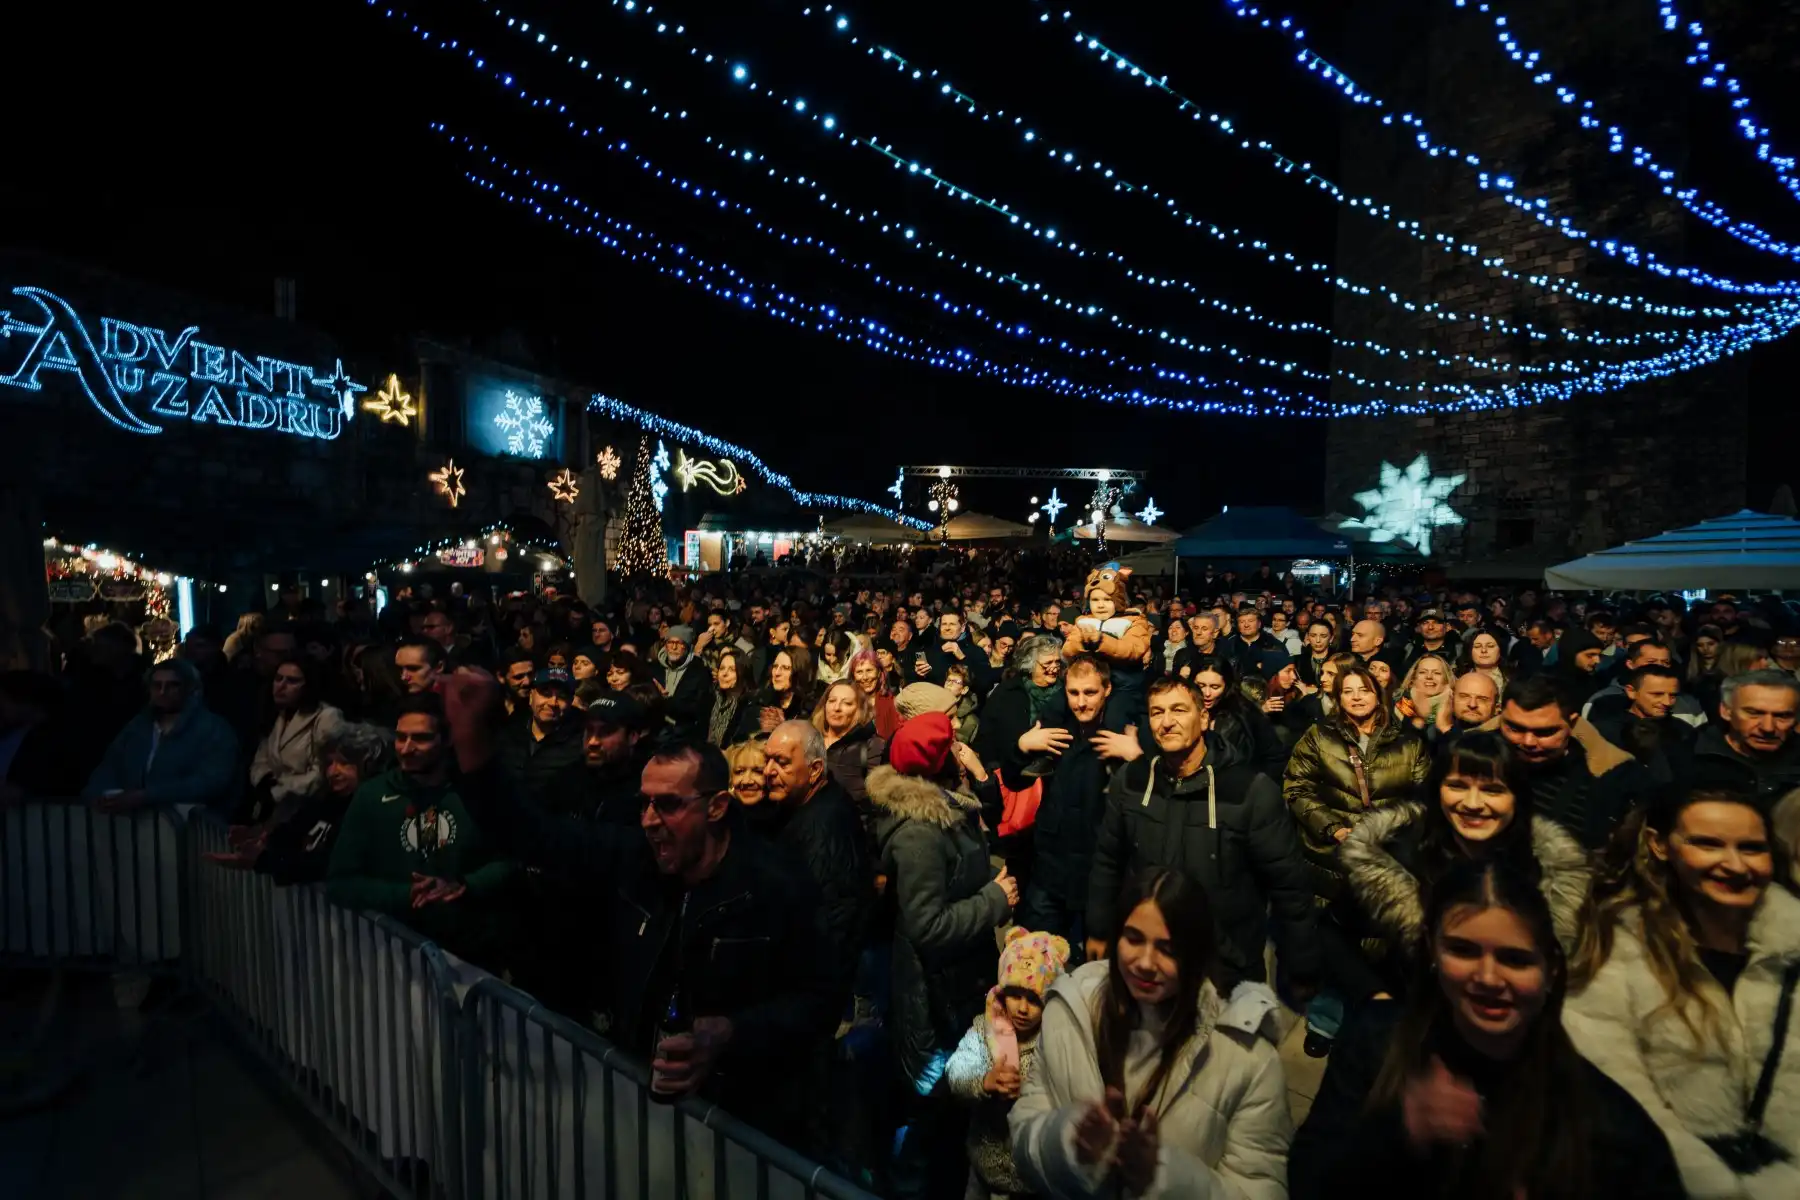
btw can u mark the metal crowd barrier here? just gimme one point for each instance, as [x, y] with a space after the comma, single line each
[440, 1079]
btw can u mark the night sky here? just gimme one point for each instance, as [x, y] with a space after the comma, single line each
[212, 148]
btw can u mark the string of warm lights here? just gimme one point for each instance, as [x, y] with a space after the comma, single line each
[786, 306]
[1715, 75]
[1081, 162]
[1642, 158]
[498, 538]
[1045, 233]
[1494, 178]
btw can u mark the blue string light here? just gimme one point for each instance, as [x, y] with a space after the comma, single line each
[693, 270]
[1047, 232]
[1492, 177]
[1531, 61]
[1463, 392]
[1714, 75]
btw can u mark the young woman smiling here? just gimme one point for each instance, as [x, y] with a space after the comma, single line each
[1475, 805]
[1471, 1089]
[1684, 985]
[1148, 1081]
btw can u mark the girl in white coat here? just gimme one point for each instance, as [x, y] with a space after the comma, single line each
[1679, 986]
[1148, 1082]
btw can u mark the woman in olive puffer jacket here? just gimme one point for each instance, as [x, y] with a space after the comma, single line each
[1353, 762]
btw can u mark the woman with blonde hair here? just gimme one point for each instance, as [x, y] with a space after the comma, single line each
[1682, 989]
[746, 762]
[1424, 689]
[845, 715]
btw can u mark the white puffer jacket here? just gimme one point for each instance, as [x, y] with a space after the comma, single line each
[1698, 1090]
[1223, 1113]
[289, 752]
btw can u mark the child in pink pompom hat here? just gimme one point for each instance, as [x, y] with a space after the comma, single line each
[995, 1057]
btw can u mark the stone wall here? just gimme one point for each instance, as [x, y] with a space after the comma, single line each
[1542, 483]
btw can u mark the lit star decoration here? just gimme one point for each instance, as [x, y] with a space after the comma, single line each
[1053, 506]
[344, 388]
[1408, 505]
[392, 404]
[525, 424]
[659, 487]
[898, 486]
[563, 488]
[1150, 514]
[449, 482]
[722, 477]
[608, 462]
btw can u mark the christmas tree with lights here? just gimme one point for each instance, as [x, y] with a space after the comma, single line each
[642, 550]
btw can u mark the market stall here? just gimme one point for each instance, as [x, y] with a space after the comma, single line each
[90, 585]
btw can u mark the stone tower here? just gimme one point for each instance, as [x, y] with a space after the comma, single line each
[1541, 483]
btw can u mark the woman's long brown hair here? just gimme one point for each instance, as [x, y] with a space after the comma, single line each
[1188, 914]
[1538, 1128]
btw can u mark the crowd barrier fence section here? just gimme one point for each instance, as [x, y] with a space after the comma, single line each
[441, 1079]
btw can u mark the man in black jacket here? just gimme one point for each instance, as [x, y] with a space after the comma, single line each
[954, 645]
[685, 681]
[1224, 826]
[1578, 778]
[818, 823]
[1071, 754]
[694, 920]
[1251, 649]
[541, 757]
[1756, 749]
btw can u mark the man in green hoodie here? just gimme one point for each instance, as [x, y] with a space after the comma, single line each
[409, 847]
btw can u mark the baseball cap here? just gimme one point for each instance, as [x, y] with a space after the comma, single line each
[553, 677]
[1431, 614]
[616, 708]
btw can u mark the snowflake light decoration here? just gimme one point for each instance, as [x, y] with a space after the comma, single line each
[1150, 514]
[449, 482]
[563, 488]
[608, 461]
[1407, 505]
[899, 484]
[659, 487]
[525, 424]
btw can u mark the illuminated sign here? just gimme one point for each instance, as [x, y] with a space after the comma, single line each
[462, 556]
[140, 378]
[1407, 505]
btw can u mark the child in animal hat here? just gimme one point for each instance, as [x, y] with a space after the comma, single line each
[997, 1053]
[1114, 630]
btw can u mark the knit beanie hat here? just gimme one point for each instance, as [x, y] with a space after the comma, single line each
[917, 698]
[593, 654]
[921, 746]
[1032, 961]
[1108, 578]
[682, 633]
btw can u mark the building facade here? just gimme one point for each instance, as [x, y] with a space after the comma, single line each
[1550, 481]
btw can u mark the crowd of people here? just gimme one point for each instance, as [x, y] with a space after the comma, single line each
[994, 875]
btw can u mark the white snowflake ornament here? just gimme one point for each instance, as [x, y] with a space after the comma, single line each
[525, 424]
[1408, 505]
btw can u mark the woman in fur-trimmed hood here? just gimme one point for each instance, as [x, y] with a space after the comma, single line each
[1475, 804]
[947, 905]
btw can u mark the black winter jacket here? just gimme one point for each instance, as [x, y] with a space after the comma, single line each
[1715, 762]
[1074, 803]
[748, 941]
[826, 836]
[1007, 715]
[1344, 1150]
[1242, 848]
[299, 848]
[690, 703]
[851, 758]
[947, 907]
[981, 674]
[551, 772]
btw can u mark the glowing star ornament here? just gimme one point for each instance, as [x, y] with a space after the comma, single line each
[608, 462]
[525, 424]
[343, 387]
[392, 404]
[563, 488]
[1054, 506]
[1408, 505]
[449, 482]
[1150, 514]
[899, 485]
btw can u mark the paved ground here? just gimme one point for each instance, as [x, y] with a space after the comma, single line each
[152, 1108]
[1303, 1073]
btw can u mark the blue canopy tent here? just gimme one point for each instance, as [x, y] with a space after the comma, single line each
[1260, 533]
[1745, 550]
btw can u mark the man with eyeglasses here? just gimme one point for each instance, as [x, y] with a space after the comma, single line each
[697, 918]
